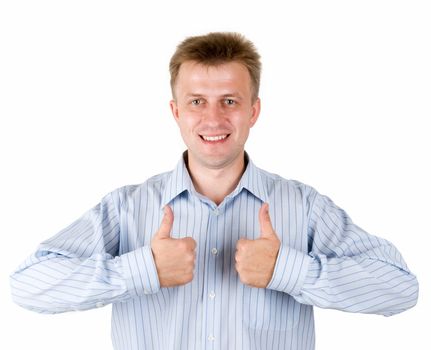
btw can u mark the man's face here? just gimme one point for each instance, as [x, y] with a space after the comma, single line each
[214, 111]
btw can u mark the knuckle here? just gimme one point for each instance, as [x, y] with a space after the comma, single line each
[182, 244]
[241, 244]
[189, 277]
[190, 258]
[189, 243]
[188, 270]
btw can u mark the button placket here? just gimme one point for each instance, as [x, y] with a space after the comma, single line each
[211, 301]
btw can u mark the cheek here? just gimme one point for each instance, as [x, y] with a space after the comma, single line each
[187, 123]
[242, 123]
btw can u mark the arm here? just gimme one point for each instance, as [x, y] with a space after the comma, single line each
[346, 268]
[79, 268]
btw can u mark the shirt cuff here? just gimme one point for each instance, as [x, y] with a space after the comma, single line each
[140, 272]
[291, 268]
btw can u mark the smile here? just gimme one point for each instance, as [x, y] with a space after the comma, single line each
[214, 138]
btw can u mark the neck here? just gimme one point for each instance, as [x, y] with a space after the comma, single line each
[216, 183]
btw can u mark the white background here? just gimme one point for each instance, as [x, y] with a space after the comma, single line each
[346, 94]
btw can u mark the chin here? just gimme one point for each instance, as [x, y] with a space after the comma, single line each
[218, 162]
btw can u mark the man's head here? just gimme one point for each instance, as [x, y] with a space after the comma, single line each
[214, 49]
[215, 84]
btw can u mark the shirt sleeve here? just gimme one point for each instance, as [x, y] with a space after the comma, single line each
[346, 268]
[79, 268]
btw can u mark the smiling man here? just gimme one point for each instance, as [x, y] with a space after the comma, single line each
[215, 107]
[217, 253]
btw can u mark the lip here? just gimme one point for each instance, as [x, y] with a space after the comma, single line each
[214, 134]
[214, 142]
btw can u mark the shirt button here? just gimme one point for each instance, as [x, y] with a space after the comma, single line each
[216, 211]
[211, 294]
[211, 337]
[214, 251]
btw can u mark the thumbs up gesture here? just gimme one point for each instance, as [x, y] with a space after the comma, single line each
[174, 258]
[255, 259]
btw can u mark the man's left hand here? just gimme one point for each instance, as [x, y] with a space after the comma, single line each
[255, 259]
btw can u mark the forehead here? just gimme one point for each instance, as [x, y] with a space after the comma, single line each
[232, 75]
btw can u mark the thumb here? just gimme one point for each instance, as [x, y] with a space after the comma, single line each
[266, 230]
[166, 224]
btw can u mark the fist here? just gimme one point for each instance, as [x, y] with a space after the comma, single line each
[255, 259]
[174, 258]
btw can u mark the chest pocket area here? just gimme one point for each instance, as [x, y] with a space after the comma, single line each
[266, 309]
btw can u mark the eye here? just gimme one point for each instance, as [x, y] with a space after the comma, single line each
[229, 101]
[196, 102]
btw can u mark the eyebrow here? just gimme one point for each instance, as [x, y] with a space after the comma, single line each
[234, 94]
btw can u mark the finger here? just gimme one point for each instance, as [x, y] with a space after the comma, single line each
[240, 244]
[266, 229]
[191, 243]
[166, 224]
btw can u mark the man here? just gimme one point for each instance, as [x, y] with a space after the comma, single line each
[216, 254]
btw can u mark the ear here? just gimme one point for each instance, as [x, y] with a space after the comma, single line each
[255, 108]
[174, 109]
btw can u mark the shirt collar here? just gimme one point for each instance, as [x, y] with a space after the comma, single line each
[179, 181]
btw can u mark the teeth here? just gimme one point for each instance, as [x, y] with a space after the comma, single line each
[214, 138]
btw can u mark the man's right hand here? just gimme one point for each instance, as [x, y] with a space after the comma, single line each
[174, 258]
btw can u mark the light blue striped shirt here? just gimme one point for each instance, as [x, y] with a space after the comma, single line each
[324, 260]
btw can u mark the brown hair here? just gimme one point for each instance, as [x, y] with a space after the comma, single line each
[217, 48]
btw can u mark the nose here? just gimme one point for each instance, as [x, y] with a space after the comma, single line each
[213, 113]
